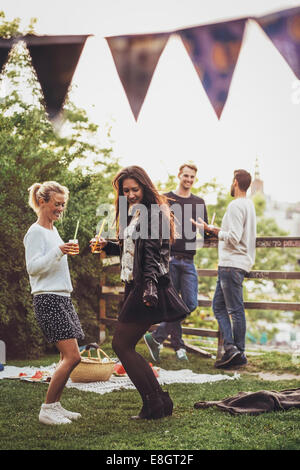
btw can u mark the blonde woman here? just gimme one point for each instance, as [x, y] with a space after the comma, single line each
[51, 287]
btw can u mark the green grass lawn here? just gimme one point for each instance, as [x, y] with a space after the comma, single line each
[105, 423]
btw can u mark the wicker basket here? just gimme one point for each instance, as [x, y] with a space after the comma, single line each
[93, 369]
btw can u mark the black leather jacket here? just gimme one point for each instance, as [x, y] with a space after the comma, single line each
[151, 260]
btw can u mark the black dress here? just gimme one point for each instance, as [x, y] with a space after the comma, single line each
[150, 268]
[170, 307]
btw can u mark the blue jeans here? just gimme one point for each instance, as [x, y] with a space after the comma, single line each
[228, 300]
[185, 280]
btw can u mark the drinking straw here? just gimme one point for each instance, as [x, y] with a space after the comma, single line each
[75, 234]
[98, 236]
[213, 219]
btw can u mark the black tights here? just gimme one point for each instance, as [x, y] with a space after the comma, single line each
[138, 369]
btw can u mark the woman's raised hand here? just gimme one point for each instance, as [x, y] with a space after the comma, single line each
[97, 244]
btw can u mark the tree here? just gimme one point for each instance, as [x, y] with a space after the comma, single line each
[31, 151]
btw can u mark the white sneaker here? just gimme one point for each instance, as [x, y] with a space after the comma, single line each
[181, 354]
[68, 414]
[49, 414]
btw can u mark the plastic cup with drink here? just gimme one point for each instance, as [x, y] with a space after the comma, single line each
[95, 242]
[74, 250]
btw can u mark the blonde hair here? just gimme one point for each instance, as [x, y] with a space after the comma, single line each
[190, 165]
[43, 191]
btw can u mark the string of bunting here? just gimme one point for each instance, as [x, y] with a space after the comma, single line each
[213, 48]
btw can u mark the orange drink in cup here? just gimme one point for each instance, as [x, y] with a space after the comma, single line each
[95, 244]
[75, 248]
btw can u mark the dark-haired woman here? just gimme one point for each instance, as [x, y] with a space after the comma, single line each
[145, 229]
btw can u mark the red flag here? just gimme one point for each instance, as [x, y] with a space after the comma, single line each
[136, 58]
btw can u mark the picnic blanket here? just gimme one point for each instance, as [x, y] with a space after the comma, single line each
[255, 403]
[117, 383]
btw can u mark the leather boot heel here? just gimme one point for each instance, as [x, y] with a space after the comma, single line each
[168, 404]
[153, 407]
[142, 414]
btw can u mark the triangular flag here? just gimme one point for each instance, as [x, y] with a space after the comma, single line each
[5, 47]
[136, 58]
[283, 28]
[214, 50]
[54, 59]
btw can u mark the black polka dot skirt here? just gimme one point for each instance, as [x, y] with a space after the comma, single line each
[57, 317]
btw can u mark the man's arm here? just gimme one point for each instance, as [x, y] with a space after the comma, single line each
[235, 232]
[212, 231]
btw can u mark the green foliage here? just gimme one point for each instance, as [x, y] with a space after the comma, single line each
[260, 204]
[169, 185]
[31, 151]
[9, 29]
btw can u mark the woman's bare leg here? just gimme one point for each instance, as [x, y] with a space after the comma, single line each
[69, 359]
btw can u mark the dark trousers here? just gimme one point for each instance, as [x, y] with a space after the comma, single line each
[228, 302]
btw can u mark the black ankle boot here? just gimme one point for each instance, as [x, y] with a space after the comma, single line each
[153, 407]
[143, 413]
[168, 404]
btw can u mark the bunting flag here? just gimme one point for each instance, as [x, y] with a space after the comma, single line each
[54, 59]
[283, 28]
[5, 47]
[214, 51]
[136, 58]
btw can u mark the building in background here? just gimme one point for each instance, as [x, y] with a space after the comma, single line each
[257, 185]
[286, 215]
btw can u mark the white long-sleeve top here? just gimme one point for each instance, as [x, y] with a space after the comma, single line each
[46, 265]
[237, 237]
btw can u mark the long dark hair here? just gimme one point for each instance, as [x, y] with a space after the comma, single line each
[150, 194]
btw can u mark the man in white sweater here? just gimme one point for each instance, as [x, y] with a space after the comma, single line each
[237, 242]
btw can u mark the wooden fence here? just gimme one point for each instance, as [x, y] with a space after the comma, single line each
[116, 292]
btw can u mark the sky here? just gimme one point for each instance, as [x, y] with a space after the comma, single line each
[261, 118]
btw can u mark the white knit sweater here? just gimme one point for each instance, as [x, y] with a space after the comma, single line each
[46, 265]
[237, 238]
